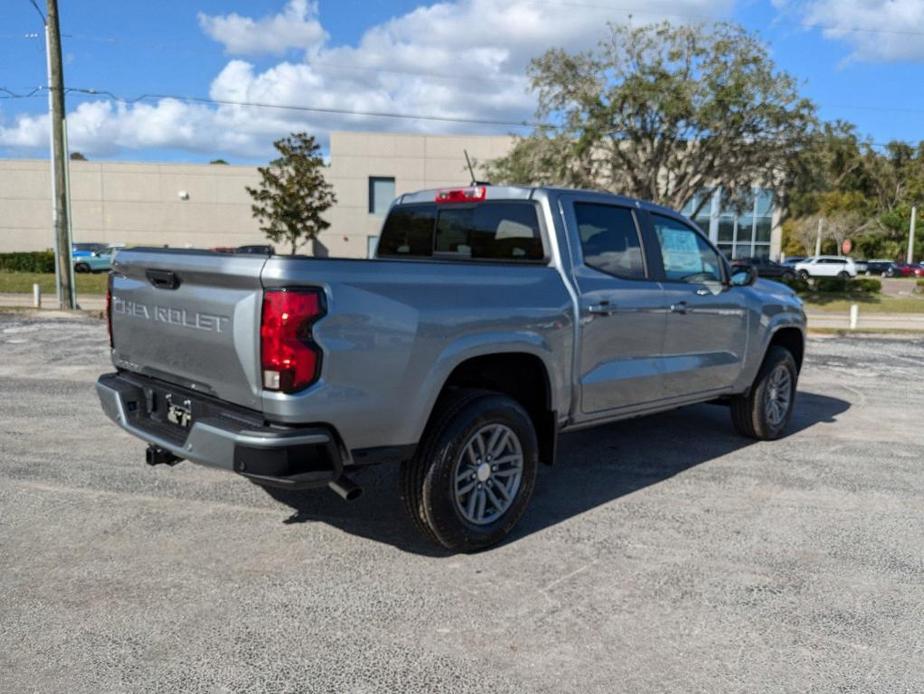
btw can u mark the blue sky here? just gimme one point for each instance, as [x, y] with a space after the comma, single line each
[860, 61]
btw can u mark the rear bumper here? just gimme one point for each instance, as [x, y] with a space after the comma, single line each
[222, 436]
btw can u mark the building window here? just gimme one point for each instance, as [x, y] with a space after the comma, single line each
[381, 194]
[738, 234]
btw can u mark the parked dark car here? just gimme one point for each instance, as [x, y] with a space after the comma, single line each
[767, 268]
[904, 270]
[792, 260]
[878, 267]
[256, 249]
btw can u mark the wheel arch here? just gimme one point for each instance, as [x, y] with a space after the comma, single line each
[522, 374]
[792, 339]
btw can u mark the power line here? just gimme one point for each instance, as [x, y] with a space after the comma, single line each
[8, 94]
[110, 96]
[310, 109]
[37, 9]
[703, 17]
[712, 18]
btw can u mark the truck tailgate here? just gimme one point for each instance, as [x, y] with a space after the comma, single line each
[190, 318]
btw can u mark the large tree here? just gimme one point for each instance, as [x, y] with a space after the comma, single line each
[662, 112]
[293, 193]
[857, 189]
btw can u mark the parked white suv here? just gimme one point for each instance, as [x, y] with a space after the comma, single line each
[826, 266]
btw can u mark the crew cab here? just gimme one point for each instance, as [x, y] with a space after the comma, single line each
[491, 320]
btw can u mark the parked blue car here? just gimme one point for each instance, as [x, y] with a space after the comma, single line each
[91, 257]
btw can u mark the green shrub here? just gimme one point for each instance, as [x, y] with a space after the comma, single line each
[33, 261]
[866, 285]
[831, 285]
[839, 285]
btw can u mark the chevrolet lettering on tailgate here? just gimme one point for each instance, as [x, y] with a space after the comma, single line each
[174, 316]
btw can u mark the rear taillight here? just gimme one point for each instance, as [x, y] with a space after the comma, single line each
[290, 359]
[473, 194]
[109, 308]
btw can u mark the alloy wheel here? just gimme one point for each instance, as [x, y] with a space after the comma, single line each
[487, 474]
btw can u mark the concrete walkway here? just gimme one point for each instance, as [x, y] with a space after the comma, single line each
[868, 321]
[88, 302]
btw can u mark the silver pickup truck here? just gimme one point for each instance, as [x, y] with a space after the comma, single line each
[491, 320]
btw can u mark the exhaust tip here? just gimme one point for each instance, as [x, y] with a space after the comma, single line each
[346, 488]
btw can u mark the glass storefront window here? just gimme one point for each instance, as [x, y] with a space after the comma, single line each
[738, 233]
[764, 227]
[745, 229]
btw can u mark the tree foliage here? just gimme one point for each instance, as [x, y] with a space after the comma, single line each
[662, 112]
[861, 191]
[293, 193]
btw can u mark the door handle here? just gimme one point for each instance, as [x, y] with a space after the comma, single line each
[703, 291]
[604, 308]
[163, 279]
[679, 307]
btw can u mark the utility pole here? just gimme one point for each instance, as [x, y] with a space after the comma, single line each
[821, 224]
[66, 295]
[910, 258]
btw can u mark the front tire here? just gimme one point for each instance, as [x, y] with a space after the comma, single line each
[474, 471]
[804, 276]
[764, 413]
[81, 267]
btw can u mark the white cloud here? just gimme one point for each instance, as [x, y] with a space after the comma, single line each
[464, 59]
[295, 27]
[877, 30]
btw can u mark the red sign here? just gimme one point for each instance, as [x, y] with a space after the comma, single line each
[846, 247]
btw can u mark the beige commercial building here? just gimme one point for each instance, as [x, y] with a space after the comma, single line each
[204, 206]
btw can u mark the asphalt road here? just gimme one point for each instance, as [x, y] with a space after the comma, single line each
[661, 554]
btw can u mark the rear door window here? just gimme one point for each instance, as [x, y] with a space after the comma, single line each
[610, 240]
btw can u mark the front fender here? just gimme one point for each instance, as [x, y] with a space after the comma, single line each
[771, 319]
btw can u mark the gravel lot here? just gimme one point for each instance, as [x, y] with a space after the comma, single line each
[662, 554]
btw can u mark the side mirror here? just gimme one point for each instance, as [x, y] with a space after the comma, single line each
[743, 275]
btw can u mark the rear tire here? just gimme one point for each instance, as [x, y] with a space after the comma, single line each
[764, 413]
[788, 276]
[474, 471]
[844, 275]
[81, 267]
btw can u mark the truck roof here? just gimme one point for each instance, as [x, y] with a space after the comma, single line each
[520, 192]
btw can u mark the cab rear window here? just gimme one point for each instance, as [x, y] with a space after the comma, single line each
[507, 231]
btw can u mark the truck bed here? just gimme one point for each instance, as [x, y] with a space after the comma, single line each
[393, 330]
